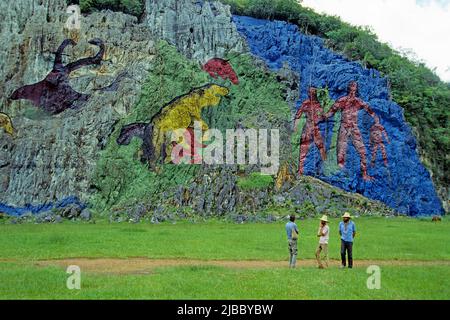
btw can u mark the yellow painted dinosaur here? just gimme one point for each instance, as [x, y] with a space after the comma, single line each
[6, 123]
[180, 113]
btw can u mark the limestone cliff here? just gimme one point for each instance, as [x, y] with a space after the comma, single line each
[74, 156]
[201, 30]
[53, 157]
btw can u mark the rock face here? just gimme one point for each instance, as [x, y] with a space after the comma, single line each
[62, 161]
[291, 83]
[53, 156]
[201, 30]
[258, 101]
[403, 183]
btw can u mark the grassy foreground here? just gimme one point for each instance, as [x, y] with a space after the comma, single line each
[381, 239]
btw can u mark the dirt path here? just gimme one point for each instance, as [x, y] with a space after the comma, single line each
[146, 266]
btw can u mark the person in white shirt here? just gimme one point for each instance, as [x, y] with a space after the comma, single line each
[324, 236]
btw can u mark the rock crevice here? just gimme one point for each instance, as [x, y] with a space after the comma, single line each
[201, 30]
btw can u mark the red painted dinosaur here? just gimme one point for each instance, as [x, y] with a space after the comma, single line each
[222, 68]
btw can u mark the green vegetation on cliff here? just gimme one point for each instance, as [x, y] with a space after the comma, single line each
[255, 181]
[416, 88]
[133, 7]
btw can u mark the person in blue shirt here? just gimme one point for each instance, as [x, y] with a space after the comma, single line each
[347, 231]
[292, 235]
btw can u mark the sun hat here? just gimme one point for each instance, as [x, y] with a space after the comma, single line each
[347, 215]
[324, 218]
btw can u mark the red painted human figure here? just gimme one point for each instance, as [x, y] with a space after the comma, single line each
[349, 107]
[377, 133]
[311, 132]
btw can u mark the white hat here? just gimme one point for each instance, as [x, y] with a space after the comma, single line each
[324, 218]
[347, 215]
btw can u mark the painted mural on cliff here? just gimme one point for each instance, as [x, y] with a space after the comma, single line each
[349, 130]
[396, 176]
[358, 141]
[178, 114]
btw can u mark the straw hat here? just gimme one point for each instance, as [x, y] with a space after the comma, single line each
[347, 215]
[324, 218]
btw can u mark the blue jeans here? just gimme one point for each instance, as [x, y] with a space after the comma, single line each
[347, 247]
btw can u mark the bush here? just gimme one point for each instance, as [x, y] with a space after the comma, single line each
[133, 7]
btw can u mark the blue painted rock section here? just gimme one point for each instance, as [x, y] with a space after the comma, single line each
[404, 184]
[41, 208]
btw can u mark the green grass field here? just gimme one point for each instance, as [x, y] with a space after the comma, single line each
[414, 257]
